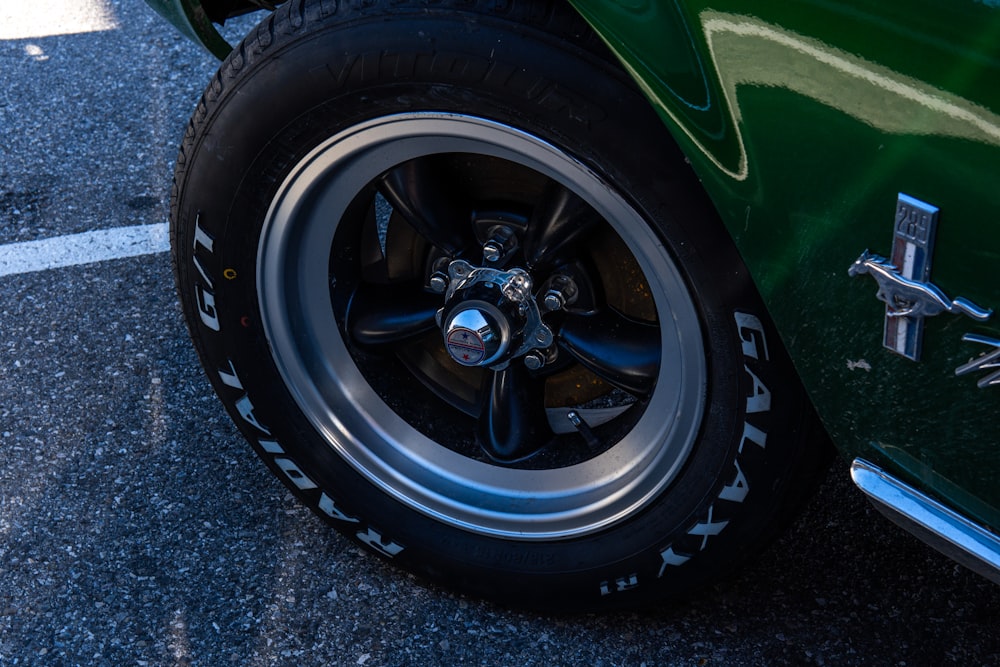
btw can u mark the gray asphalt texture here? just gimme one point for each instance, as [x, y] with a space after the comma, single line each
[138, 528]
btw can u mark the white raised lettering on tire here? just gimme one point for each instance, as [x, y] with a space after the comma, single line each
[754, 346]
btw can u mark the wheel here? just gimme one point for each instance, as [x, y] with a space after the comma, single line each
[455, 284]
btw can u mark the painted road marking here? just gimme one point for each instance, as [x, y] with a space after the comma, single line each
[86, 248]
[45, 18]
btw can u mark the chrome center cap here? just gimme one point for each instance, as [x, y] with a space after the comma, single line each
[490, 316]
[476, 334]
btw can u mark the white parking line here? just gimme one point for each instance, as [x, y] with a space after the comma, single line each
[44, 18]
[86, 248]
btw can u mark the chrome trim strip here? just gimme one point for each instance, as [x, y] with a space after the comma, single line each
[942, 528]
[986, 362]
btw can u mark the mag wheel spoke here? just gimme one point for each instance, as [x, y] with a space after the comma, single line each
[425, 193]
[559, 219]
[513, 424]
[623, 352]
[388, 314]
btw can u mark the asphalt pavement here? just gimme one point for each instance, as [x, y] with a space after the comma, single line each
[138, 528]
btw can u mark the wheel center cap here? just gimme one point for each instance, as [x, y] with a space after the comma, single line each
[474, 336]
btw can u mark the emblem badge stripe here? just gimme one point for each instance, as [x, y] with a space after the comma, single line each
[913, 241]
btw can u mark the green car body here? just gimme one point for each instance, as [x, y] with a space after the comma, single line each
[805, 121]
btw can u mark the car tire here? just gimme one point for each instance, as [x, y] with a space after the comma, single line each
[365, 184]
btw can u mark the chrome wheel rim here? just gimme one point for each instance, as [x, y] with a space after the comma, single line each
[312, 349]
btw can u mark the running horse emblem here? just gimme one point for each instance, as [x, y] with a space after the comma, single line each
[911, 298]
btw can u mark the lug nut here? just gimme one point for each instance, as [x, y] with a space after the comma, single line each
[554, 300]
[561, 292]
[500, 245]
[534, 360]
[438, 282]
[492, 251]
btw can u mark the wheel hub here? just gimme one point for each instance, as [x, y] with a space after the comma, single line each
[490, 316]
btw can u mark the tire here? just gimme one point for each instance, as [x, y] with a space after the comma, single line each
[456, 285]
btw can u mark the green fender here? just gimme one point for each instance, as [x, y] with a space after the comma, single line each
[804, 120]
